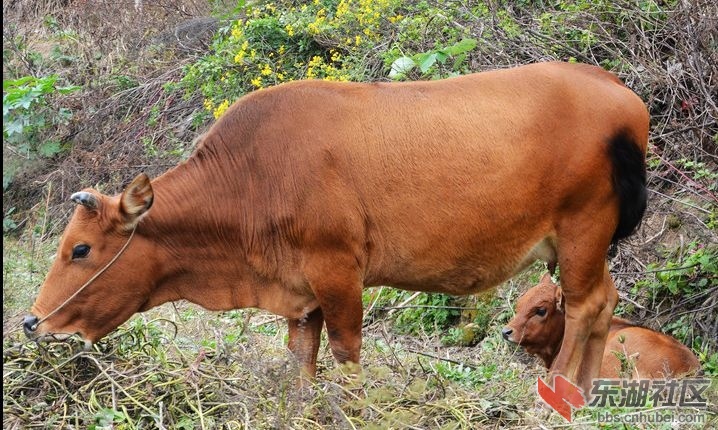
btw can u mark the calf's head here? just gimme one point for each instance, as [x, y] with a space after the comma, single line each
[539, 321]
[96, 281]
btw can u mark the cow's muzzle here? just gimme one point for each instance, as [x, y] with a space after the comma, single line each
[29, 325]
[506, 333]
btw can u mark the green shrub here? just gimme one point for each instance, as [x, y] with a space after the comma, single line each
[27, 115]
[694, 272]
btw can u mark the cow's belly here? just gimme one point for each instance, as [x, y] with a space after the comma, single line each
[469, 273]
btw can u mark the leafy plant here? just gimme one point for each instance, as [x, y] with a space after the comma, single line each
[426, 62]
[27, 114]
[709, 362]
[106, 418]
[696, 272]
[464, 374]
[433, 312]
[8, 224]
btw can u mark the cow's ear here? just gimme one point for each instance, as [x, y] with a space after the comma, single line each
[546, 279]
[136, 199]
[558, 297]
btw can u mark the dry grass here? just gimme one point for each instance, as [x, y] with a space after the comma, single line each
[156, 375]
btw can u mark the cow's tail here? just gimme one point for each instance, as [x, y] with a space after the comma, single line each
[629, 182]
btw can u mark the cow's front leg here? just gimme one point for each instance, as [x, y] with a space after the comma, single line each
[337, 287]
[304, 338]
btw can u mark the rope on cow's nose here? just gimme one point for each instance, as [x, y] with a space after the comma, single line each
[89, 281]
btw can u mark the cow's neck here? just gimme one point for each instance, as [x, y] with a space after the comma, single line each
[199, 241]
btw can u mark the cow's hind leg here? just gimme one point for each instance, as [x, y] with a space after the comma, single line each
[337, 286]
[595, 347]
[304, 338]
[590, 300]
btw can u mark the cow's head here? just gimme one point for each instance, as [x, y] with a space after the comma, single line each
[96, 281]
[539, 321]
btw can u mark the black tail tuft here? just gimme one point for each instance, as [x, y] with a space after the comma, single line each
[629, 182]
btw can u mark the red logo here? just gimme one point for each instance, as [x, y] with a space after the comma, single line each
[563, 395]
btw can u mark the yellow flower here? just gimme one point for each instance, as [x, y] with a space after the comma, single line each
[242, 52]
[266, 70]
[280, 76]
[315, 61]
[315, 27]
[236, 32]
[208, 104]
[342, 8]
[281, 50]
[257, 82]
[357, 39]
[289, 29]
[220, 109]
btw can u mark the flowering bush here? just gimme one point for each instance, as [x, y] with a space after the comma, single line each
[334, 40]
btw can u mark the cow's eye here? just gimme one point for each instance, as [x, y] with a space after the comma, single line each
[541, 312]
[80, 251]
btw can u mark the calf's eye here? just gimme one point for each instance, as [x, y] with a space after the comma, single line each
[80, 251]
[541, 312]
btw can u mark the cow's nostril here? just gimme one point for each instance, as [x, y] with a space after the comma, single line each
[29, 324]
[506, 332]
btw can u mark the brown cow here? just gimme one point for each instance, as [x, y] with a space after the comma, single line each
[631, 350]
[303, 194]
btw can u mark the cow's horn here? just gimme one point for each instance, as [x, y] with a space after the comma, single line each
[85, 199]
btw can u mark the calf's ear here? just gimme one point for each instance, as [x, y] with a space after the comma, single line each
[558, 297]
[136, 199]
[546, 279]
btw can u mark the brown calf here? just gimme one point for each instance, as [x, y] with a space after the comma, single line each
[631, 351]
[303, 194]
